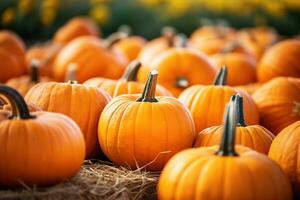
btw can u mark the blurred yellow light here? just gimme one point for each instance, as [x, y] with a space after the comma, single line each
[100, 13]
[8, 16]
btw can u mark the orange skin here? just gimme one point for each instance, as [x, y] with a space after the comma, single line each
[249, 88]
[278, 103]
[180, 63]
[280, 60]
[285, 151]
[241, 68]
[130, 47]
[207, 105]
[200, 174]
[87, 52]
[144, 134]
[76, 27]
[81, 103]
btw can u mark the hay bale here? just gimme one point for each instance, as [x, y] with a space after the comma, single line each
[96, 180]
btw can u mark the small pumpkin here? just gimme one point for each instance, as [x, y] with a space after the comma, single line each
[255, 137]
[23, 83]
[278, 102]
[242, 173]
[81, 103]
[285, 151]
[127, 84]
[207, 103]
[76, 27]
[145, 131]
[54, 148]
[180, 68]
[280, 60]
[249, 88]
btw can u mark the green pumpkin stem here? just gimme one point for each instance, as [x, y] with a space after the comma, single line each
[227, 146]
[240, 121]
[149, 89]
[169, 33]
[113, 39]
[71, 76]
[34, 71]
[131, 71]
[230, 47]
[221, 78]
[180, 40]
[125, 29]
[18, 104]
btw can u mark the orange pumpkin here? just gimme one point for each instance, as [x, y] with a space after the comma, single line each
[280, 60]
[126, 85]
[76, 27]
[180, 68]
[249, 88]
[207, 103]
[23, 83]
[145, 131]
[227, 172]
[279, 103]
[81, 103]
[92, 59]
[39, 148]
[12, 56]
[255, 137]
[285, 151]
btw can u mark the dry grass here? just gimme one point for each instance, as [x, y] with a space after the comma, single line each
[96, 180]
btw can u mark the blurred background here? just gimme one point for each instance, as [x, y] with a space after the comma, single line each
[37, 20]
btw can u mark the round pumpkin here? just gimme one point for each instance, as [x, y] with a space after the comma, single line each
[144, 131]
[207, 103]
[280, 60]
[227, 172]
[92, 59]
[255, 137]
[180, 68]
[76, 27]
[285, 151]
[49, 149]
[126, 85]
[278, 102]
[249, 88]
[81, 103]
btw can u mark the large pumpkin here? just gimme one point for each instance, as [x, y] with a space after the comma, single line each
[255, 137]
[280, 60]
[92, 59]
[227, 172]
[144, 131]
[12, 56]
[39, 148]
[207, 103]
[279, 103]
[286, 152]
[180, 68]
[126, 85]
[82, 103]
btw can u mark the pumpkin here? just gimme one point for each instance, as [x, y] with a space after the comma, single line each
[12, 56]
[23, 83]
[143, 130]
[207, 103]
[49, 149]
[225, 172]
[241, 67]
[180, 68]
[81, 103]
[278, 102]
[126, 85]
[255, 137]
[249, 88]
[92, 59]
[76, 27]
[280, 60]
[285, 151]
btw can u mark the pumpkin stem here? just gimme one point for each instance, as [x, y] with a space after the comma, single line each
[180, 40]
[19, 107]
[228, 139]
[230, 47]
[239, 111]
[2, 102]
[182, 82]
[221, 78]
[71, 75]
[34, 71]
[113, 39]
[131, 71]
[168, 33]
[125, 29]
[149, 89]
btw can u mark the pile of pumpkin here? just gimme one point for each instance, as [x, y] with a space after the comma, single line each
[140, 102]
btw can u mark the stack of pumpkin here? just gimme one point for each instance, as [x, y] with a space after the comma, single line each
[141, 102]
